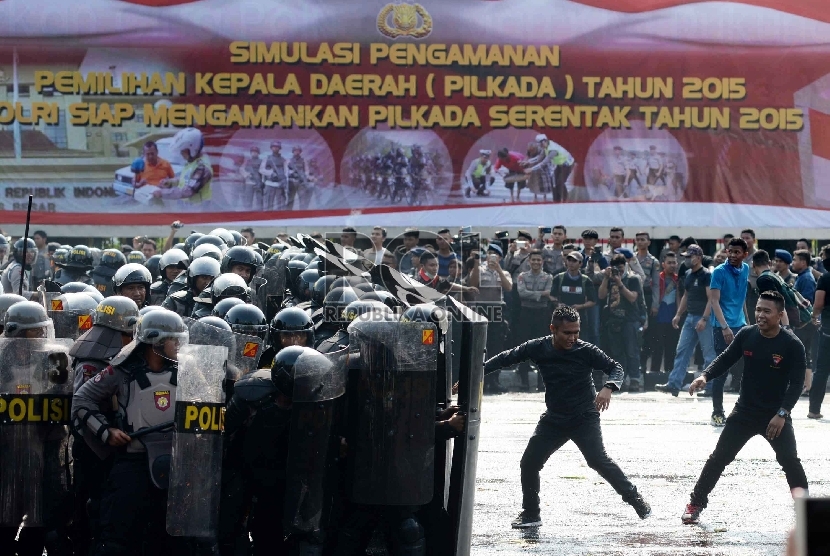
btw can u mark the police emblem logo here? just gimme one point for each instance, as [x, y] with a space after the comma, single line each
[84, 322]
[428, 337]
[251, 349]
[57, 305]
[777, 359]
[24, 388]
[404, 20]
[162, 398]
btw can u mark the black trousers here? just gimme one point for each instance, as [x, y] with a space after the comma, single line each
[550, 435]
[740, 428]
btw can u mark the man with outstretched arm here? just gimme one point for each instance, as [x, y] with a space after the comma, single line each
[573, 406]
[774, 365]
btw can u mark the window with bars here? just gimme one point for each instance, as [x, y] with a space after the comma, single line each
[57, 133]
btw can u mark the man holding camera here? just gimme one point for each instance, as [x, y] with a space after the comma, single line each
[553, 255]
[625, 316]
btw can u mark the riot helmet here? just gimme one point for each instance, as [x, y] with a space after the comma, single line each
[190, 242]
[242, 256]
[321, 289]
[383, 296]
[306, 280]
[229, 285]
[78, 302]
[367, 310]
[238, 238]
[212, 240]
[216, 322]
[96, 255]
[144, 310]
[221, 309]
[179, 246]
[174, 258]
[282, 371]
[275, 250]
[164, 330]
[66, 246]
[118, 313]
[204, 266]
[31, 252]
[6, 301]
[27, 319]
[314, 264]
[113, 259]
[136, 257]
[224, 235]
[80, 287]
[335, 303]
[152, 265]
[59, 257]
[247, 319]
[426, 312]
[206, 250]
[295, 268]
[131, 274]
[290, 327]
[79, 259]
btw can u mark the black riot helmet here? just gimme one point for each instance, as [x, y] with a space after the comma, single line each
[306, 282]
[6, 301]
[112, 258]
[118, 313]
[190, 242]
[59, 257]
[80, 258]
[174, 258]
[204, 266]
[212, 240]
[132, 273]
[384, 297]
[31, 252]
[282, 371]
[80, 287]
[159, 325]
[275, 250]
[24, 316]
[136, 257]
[314, 264]
[287, 324]
[247, 319]
[364, 309]
[221, 309]
[216, 322]
[225, 235]
[321, 289]
[238, 238]
[244, 256]
[335, 304]
[152, 264]
[229, 285]
[295, 268]
[206, 250]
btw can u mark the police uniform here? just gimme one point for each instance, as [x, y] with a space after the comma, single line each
[534, 318]
[181, 302]
[252, 186]
[274, 170]
[11, 278]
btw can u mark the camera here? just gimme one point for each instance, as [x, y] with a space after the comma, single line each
[546, 230]
[521, 244]
[502, 235]
[615, 271]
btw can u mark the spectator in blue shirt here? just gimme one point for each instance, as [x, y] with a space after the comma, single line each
[727, 293]
[805, 283]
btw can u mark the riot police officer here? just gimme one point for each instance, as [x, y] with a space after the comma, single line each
[331, 317]
[221, 309]
[200, 274]
[136, 257]
[152, 264]
[133, 280]
[171, 264]
[15, 272]
[290, 327]
[243, 261]
[113, 326]
[111, 261]
[143, 378]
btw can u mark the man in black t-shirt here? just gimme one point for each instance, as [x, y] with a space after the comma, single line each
[822, 366]
[566, 364]
[774, 365]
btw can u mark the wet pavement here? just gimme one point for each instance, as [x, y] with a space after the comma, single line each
[661, 443]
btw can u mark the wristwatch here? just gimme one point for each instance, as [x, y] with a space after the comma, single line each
[783, 413]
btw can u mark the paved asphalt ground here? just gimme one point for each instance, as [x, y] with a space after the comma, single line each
[661, 443]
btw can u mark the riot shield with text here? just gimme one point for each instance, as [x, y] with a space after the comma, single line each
[319, 384]
[71, 314]
[392, 382]
[465, 449]
[35, 402]
[271, 289]
[196, 463]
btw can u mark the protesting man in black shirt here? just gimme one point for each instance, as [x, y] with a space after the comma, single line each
[573, 405]
[774, 364]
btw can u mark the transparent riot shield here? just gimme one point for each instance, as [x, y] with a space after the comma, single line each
[196, 463]
[271, 286]
[71, 314]
[35, 402]
[392, 412]
[465, 450]
[245, 355]
[319, 384]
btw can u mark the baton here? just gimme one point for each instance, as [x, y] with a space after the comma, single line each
[147, 430]
[25, 241]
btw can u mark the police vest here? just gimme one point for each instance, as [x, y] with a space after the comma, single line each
[276, 164]
[481, 169]
[205, 193]
[296, 169]
[151, 402]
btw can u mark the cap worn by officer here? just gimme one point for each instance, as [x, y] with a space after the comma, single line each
[575, 255]
[692, 250]
[495, 248]
[784, 256]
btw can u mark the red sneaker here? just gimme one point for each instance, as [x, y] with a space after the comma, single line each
[692, 514]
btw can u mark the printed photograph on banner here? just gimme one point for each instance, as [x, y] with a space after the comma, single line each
[637, 164]
[814, 141]
[383, 167]
[279, 170]
[519, 165]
